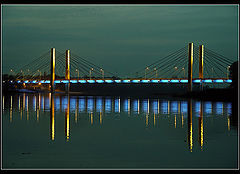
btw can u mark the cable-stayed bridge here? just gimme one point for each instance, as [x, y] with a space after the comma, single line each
[187, 66]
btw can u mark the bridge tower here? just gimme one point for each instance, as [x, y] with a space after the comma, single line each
[201, 51]
[52, 69]
[190, 66]
[67, 71]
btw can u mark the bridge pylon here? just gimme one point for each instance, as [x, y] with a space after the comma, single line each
[201, 54]
[52, 69]
[190, 66]
[67, 71]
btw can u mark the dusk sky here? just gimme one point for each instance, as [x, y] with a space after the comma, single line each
[119, 38]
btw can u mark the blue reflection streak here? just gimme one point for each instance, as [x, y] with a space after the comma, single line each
[99, 104]
[125, 105]
[135, 105]
[47, 103]
[64, 103]
[229, 108]
[184, 107]
[174, 106]
[34, 101]
[72, 104]
[116, 107]
[42, 102]
[208, 107]
[57, 103]
[108, 105]
[155, 106]
[164, 107]
[145, 106]
[81, 104]
[90, 104]
[219, 108]
[197, 106]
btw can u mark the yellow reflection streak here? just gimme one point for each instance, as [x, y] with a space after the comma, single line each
[35, 99]
[52, 119]
[200, 126]
[119, 105]
[148, 107]
[158, 106]
[23, 101]
[3, 103]
[138, 106]
[39, 101]
[182, 119]
[190, 138]
[27, 108]
[154, 119]
[228, 118]
[175, 121]
[19, 103]
[179, 108]
[168, 107]
[128, 106]
[100, 117]
[43, 102]
[11, 111]
[37, 115]
[146, 120]
[76, 112]
[67, 119]
[91, 118]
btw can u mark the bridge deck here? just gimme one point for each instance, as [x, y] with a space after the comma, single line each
[132, 81]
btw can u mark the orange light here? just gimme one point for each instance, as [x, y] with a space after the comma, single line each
[39, 83]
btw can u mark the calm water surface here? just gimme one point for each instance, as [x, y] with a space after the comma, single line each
[60, 131]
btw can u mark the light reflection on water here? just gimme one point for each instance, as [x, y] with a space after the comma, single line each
[180, 113]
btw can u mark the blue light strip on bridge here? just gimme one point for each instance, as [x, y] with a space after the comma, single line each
[65, 81]
[132, 81]
[73, 81]
[82, 81]
[135, 81]
[91, 81]
[118, 81]
[154, 81]
[145, 81]
[109, 81]
[218, 81]
[207, 81]
[183, 81]
[57, 81]
[99, 81]
[174, 81]
[197, 81]
[126, 81]
[164, 81]
[228, 81]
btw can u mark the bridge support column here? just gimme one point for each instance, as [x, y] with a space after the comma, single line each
[67, 71]
[52, 70]
[190, 66]
[201, 53]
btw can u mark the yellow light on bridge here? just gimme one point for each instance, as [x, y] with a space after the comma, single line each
[39, 83]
